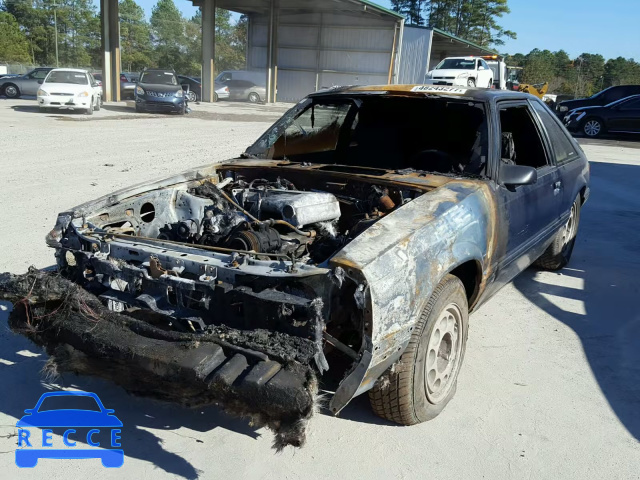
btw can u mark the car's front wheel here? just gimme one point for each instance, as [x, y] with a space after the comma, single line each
[471, 82]
[558, 254]
[89, 111]
[592, 127]
[254, 97]
[423, 381]
[11, 91]
[98, 104]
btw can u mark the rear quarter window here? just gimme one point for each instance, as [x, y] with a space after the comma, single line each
[562, 145]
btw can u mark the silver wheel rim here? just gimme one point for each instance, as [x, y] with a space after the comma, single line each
[443, 354]
[11, 91]
[254, 98]
[592, 128]
[191, 97]
[569, 230]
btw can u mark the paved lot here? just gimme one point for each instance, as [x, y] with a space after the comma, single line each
[551, 382]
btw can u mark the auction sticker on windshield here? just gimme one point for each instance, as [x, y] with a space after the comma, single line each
[78, 418]
[438, 89]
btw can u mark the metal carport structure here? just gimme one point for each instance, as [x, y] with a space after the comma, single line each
[305, 45]
[424, 47]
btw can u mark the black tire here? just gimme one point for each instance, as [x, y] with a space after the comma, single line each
[402, 395]
[592, 127]
[89, 111]
[11, 90]
[192, 96]
[98, 104]
[183, 109]
[471, 82]
[558, 254]
[254, 97]
[215, 97]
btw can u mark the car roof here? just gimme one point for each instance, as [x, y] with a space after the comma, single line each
[79, 70]
[477, 94]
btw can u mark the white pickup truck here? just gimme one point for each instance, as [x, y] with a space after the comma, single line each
[461, 71]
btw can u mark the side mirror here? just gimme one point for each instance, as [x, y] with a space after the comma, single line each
[41, 81]
[514, 175]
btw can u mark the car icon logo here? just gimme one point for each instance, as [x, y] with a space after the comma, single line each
[52, 411]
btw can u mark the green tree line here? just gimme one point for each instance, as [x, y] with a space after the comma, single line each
[473, 20]
[167, 39]
[582, 76]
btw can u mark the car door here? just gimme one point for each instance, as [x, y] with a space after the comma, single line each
[565, 154]
[484, 73]
[625, 116]
[531, 212]
[29, 84]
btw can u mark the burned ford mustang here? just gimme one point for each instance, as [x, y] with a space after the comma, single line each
[342, 252]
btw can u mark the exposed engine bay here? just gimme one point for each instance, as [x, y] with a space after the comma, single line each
[244, 213]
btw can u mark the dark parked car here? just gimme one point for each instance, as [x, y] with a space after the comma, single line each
[354, 236]
[160, 91]
[622, 116]
[246, 90]
[605, 97]
[14, 87]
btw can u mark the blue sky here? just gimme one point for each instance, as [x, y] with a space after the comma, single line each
[610, 27]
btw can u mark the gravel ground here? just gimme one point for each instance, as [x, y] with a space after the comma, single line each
[551, 382]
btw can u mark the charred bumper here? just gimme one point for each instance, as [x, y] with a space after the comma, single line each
[260, 374]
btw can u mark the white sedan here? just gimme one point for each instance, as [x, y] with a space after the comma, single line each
[461, 71]
[70, 88]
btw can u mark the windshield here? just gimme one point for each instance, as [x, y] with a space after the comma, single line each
[456, 64]
[66, 76]
[395, 133]
[159, 78]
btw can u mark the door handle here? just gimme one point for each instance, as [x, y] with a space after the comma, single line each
[556, 188]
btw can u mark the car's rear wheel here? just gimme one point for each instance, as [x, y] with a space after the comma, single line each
[254, 97]
[11, 91]
[215, 97]
[191, 96]
[558, 254]
[471, 82]
[423, 381]
[592, 127]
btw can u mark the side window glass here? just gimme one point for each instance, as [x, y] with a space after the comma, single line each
[40, 74]
[562, 146]
[521, 140]
[631, 105]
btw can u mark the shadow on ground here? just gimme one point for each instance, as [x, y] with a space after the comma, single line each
[21, 363]
[610, 329]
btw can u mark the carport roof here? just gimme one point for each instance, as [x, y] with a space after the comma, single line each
[441, 35]
[304, 6]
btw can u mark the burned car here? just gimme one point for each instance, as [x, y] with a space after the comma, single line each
[343, 252]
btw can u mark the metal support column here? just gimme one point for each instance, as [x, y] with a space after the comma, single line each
[110, 29]
[272, 51]
[208, 49]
